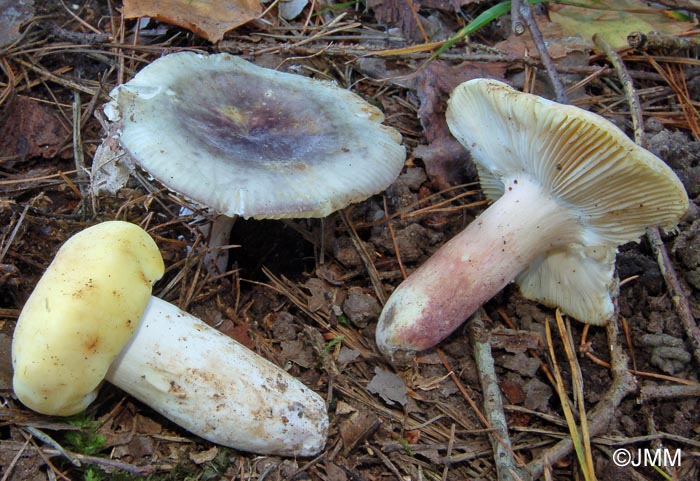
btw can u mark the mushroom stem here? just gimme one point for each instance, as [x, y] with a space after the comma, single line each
[472, 267]
[218, 233]
[216, 388]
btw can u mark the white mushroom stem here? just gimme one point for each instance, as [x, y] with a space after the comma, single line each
[217, 234]
[216, 388]
[475, 265]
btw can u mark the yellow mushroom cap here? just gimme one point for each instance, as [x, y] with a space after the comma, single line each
[80, 315]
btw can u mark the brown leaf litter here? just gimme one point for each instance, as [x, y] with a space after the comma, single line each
[306, 294]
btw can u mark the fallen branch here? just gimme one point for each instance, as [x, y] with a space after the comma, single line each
[657, 245]
[503, 454]
[538, 39]
[84, 459]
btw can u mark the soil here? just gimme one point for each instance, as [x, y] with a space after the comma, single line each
[302, 294]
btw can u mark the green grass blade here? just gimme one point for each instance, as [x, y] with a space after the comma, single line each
[486, 17]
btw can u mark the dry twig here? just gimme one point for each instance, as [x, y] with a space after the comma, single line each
[658, 40]
[506, 460]
[653, 235]
[555, 80]
[364, 255]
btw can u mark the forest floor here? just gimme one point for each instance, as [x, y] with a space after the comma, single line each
[306, 294]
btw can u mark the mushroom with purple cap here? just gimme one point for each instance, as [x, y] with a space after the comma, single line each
[248, 141]
[92, 317]
[568, 188]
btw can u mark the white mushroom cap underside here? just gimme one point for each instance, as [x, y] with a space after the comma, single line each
[616, 187]
[578, 279]
[245, 140]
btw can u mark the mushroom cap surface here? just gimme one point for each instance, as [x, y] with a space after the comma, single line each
[615, 188]
[81, 314]
[250, 141]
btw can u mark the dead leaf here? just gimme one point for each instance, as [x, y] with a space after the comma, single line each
[447, 5]
[405, 14]
[444, 157]
[435, 83]
[347, 355]
[331, 274]
[537, 394]
[290, 9]
[13, 13]
[521, 363]
[240, 333]
[111, 165]
[210, 19]
[396, 13]
[360, 307]
[413, 436]
[282, 325]
[559, 43]
[515, 341]
[513, 391]
[335, 473]
[30, 130]
[446, 161]
[139, 447]
[389, 386]
[616, 21]
[357, 428]
[204, 456]
[343, 409]
[148, 426]
[320, 293]
[298, 352]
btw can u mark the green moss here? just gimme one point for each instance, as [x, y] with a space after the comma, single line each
[332, 343]
[85, 440]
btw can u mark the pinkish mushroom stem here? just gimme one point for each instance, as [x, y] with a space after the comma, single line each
[474, 266]
[569, 188]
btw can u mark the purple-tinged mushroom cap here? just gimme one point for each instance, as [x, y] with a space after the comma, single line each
[254, 142]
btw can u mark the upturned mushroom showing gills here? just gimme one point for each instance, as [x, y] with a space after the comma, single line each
[92, 317]
[248, 141]
[568, 188]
